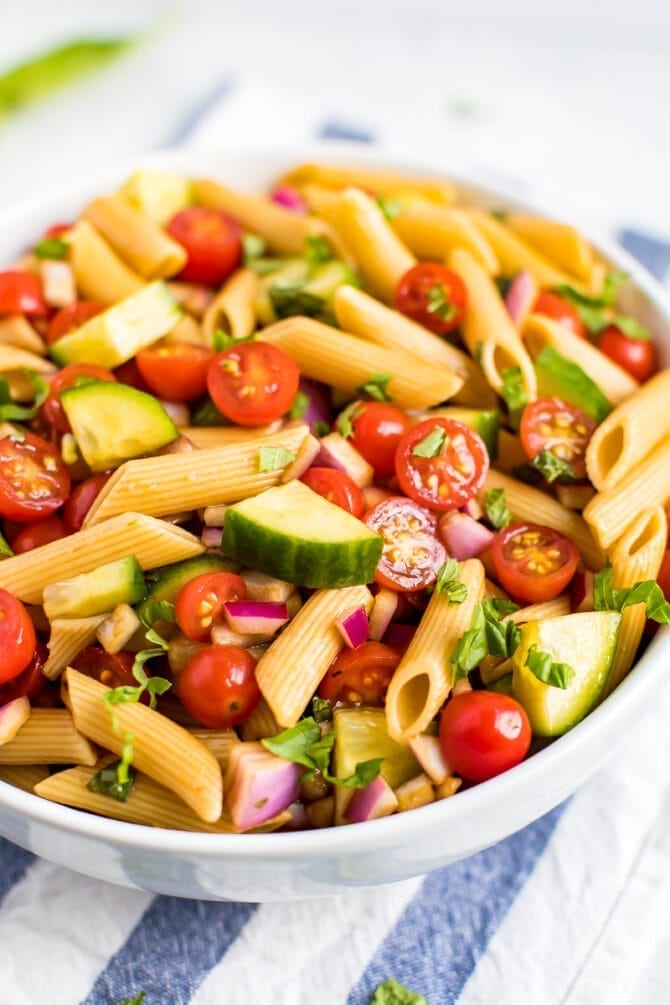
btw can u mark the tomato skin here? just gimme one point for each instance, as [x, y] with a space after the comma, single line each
[483, 733]
[337, 487]
[212, 240]
[53, 412]
[557, 426]
[361, 675]
[111, 669]
[175, 372]
[80, 500]
[554, 306]
[413, 295]
[663, 577]
[199, 603]
[17, 637]
[67, 319]
[34, 479]
[378, 427]
[21, 293]
[521, 544]
[34, 535]
[253, 383]
[31, 681]
[450, 479]
[412, 555]
[218, 686]
[636, 356]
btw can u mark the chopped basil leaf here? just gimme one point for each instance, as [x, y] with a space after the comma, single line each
[253, 248]
[322, 710]
[206, 413]
[487, 635]
[51, 247]
[503, 284]
[438, 303]
[11, 412]
[266, 266]
[542, 665]
[375, 387]
[137, 1000]
[498, 214]
[222, 340]
[317, 250]
[607, 597]
[595, 311]
[389, 207]
[472, 646]
[320, 428]
[274, 458]
[514, 393]
[392, 993]
[632, 328]
[289, 300]
[345, 420]
[304, 744]
[431, 445]
[364, 773]
[158, 610]
[299, 406]
[495, 507]
[5, 550]
[448, 582]
[552, 467]
[109, 783]
[498, 607]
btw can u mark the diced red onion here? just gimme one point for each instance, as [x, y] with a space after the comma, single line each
[211, 537]
[520, 297]
[254, 617]
[286, 196]
[399, 636]
[319, 408]
[463, 536]
[473, 509]
[12, 716]
[222, 635]
[354, 627]
[178, 412]
[338, 453]
[428, 752]
[376, 799]
[299, 820]
[383, 609]
[258, 785]
[581, 592]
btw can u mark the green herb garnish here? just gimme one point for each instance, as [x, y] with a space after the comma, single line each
[304, 744]
[597, 312]
[487, 635]
[322, 710]
[10, 411]
[438, 303]
[52, 248]
[274, 458]
[375, 387]
[607, 597]
[495, 507]
[392, 993]
[317, 250]
[552, 467]
[253, 248]
[290, 299]
[448, 582]
[389, 207]
[299, 406]
[345, 420]
[320, 428]
[108, 782]
[137, 1000]
[431, 445]
[5, 550]
[542, 665]
[514, 393]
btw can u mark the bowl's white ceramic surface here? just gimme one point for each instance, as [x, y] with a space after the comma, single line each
[260, 867]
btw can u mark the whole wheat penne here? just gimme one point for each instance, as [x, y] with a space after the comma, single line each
[487, 328]
[630, 432]
[233, 308]
[345, 361]
[139, 241]
[361, 314]
[48, 736]
[425, 675]
[153, 542]
[292, 668]
[438, 190]
[528, 503]
[68, 637]
[513, 253]
[16, 330]
[611, 512]
[100, 273]
[540, 331]
[162, 749]
[219, 741]
[176, 482]
[557, 242]
[432, 232]
[23, 776]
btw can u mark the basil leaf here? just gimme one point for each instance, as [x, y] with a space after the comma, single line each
[502, 637]
[499, 214]
[542, 665]
[375, 387]
[9, 411]
[608, 598]
[52, 248]
[299, 406]
[498, 607]
[108, 783]
[552, 467]
[5, 550]
[294, 744]
[595, 311]
[632, 328]
[431, 445]
[495, 507]
[137, 1000]
[289, 300]
[487, 635]
[389, 207]
[438, 303]
[472, 646]
[274, 458]
[320, 428]
[158, 610]
[206, 413]
[253, 248]
[322, 710]
[317, 250]
[514, 393]
[392, 993]
[364, 773]
[222, 340]
[345, 420]
[448, 582]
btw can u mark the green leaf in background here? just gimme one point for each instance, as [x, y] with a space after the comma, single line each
[393, 993]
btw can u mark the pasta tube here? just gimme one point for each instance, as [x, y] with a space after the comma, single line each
[233, 308]
[68, 637]
[260, 724]
[432, 232]
[558, 242]
[220, 436]
[16, 330]
[48, 736]
[437, 190]
[513, 253]
[98, 270]
[138, 240]
[23, 776]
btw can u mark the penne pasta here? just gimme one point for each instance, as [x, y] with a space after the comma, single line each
[219, 741]
[187, 330]
[511, 454]
[98, 270]
[292, 668]
[161, 749]
[68, 637]
[233, 308]
[260, 724]
[437, 190]
[14, 361]
[48, 736]
[17, 331]
[555, 608]
[139, 241]
[424, 677]
[23, 776]
[432, 232]
[513, 254]
[557, 242]
[220, 436]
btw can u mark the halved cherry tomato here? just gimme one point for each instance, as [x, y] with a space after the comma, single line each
[199, 604]
[554, 306]
[218, 686]
[17, 637]
[21, 293]
[664, 575]
[34, 535]
[378, 427]
[34, 479]
[176, 372]
[483, 733]
[31, 681]
[441, 463]
[129, 373]
[111, 669]
[532, 562]
[337, 487]
[80, 500]
[361, 675]
[73, 316]
[412, 555]
[57, 229]
[555, 425]
[433, 295]
[253, 383]
[636, 355]
[52, 409]
[213, 243]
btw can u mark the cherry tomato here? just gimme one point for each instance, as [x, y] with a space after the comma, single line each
[67, 319]
[360, 675]
[33, 535]
[52, 409]
[454, 471]
[636, 355]
[57, 229]
[31, 681]
[433, 295]
[378, 427]
[554, 306]
[213, 243]
[17, 637]
[664, 575]
[175, 372]
[337, 487]
[554, 425]
[111, 669]
[533, 563]
[218, 686]
[34, 479]
[21, 293]
[80, 500]
[412, 555]
[483, 733]
[253, 383]
[199, 604]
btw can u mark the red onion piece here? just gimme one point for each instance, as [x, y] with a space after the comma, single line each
[520, 297]
[463, 536]
[253, 617]
[211, 537]
[581, 592]
[289, 198]
[12, 717]
[177, 411]
[428, 752]
[354, 627]
[258, 785]
[383, 609]
[399, 636]
[338, 453]
[299, 820]
[473, 509]
[319, 408]
[376, 799]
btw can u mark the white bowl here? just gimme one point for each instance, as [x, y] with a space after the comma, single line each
[262, 867]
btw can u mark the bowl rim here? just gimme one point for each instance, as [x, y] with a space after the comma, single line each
[376, 834]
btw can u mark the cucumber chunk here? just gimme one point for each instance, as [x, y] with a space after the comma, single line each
[157, 194]
[361, 735]
[296, 535]
[165, 583]
[559, 377]
[586, 642]
[114, 422]
[116, 335]
[485, 422]
[96, 592]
